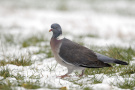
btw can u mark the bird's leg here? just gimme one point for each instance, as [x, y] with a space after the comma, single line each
[70, 70]
[82, 73]
[66, 75]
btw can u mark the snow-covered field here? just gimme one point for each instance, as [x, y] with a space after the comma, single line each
[24, 35]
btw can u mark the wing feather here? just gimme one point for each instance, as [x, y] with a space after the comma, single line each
[78, 55]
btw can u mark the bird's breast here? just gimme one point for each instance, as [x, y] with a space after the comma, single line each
[55, 45]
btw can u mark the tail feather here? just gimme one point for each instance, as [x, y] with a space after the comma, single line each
[95, 66]
[120, 62]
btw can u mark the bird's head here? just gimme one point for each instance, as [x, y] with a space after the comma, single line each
[56, 29]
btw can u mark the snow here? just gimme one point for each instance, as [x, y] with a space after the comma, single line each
[49, 77]
[106, 26]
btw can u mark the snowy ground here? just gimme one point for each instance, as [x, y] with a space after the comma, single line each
[17, 25]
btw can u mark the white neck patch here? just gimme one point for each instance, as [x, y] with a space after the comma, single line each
[60, 37]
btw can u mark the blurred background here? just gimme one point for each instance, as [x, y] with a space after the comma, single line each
[106, 19]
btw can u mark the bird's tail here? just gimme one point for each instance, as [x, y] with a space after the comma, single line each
[120, 62]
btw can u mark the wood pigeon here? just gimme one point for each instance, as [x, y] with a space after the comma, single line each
[74, 56]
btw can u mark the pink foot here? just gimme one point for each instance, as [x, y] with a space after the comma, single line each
[81, 75]
[63, 76]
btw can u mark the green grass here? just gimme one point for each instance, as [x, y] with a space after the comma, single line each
[128, 84]
[88, 35]
[79, 39]
[51, 67]
[7, 38]
[130, 69]
[6, 86]
[45, 50]
[37, 40]
[76, 82]
[35, 76]
[30, 85]
[4, 72]
[33, 40]
[87, 88]
[19, 77]
[20, 81]
[23, 60]
[95, 80]
[105, 70]
[49, 54]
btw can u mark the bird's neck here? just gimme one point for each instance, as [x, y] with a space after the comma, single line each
[58, 37]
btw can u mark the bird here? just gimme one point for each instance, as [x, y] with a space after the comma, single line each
[75, 56]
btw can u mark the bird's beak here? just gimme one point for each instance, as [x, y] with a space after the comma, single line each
[50, 30]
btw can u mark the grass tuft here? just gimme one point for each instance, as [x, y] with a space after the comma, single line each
[6, 86]
[49, 54]
[8, 38]
[19, 77]
[95, 80]
[23, 60]
[33, 40]
[130, 69]
[87, 88]
[105, 70]
[51, 67]
[45, 50]
[128, 84]
[4, 72]
[30, 85]
[88, 35]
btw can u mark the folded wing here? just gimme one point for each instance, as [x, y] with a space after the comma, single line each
[78, 55]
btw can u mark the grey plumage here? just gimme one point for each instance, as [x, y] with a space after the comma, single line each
[106, 59]
[74, 56]
[56, 30]
[78, 55]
